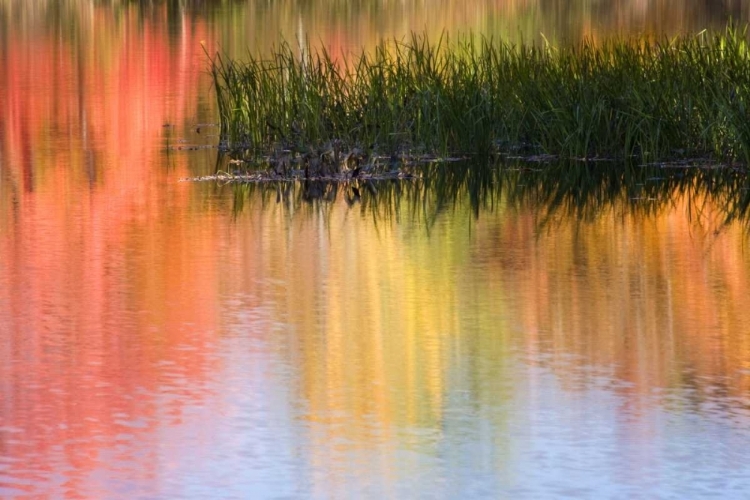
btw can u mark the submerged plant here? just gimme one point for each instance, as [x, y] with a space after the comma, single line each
[646, 99]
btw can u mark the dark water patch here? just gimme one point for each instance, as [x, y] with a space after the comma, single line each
[329, 163]
[556, 190]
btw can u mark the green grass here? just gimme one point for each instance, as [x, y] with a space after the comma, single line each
[642, 99]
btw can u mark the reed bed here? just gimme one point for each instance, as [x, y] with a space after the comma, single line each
[643, 99]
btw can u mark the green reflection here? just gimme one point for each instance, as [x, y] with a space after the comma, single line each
[576, 189]
[359, 23]
[584, 189]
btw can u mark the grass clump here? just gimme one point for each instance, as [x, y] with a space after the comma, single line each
[637, 98]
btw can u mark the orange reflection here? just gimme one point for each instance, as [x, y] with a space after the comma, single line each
[387, 320]
[90, 235]
[113, 274]
[662, 299]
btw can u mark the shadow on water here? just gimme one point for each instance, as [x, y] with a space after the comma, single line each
[583, 190]
[571, 190]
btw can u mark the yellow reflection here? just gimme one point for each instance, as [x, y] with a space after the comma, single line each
[382, 321]
[388, 321]
[660, 298]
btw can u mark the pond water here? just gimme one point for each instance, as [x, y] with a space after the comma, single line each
[168, 339]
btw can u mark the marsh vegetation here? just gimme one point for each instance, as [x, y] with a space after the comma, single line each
[637, 99]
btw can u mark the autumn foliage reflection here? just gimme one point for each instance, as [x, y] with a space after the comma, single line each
[416, 295]
[87, 236]
[118, 284]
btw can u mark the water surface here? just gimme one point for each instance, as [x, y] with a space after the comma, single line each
[167, 339]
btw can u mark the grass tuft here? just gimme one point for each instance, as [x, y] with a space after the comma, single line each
[642, 99]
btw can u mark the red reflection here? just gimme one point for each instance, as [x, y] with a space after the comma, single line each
[83, 190]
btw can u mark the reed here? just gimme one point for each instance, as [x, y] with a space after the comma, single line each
[646, 99]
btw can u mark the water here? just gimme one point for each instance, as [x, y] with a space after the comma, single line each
[167, 339]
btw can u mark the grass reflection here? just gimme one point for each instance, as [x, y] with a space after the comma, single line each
[554, 190]
[585, 189]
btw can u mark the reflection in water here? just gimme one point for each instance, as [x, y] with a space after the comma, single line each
[470, 334]
[601, 240]
[556, 190]
[604, 340]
